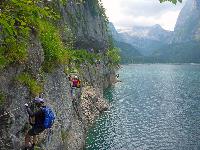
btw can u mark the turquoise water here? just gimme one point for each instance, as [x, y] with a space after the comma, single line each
[155, 107]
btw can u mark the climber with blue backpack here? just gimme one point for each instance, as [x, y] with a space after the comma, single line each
[42, 119]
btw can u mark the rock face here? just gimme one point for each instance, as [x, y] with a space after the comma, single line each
[114, 32]
[92, 104]
[87, 24]
[188, 23]
[184, 44]
[73, 116]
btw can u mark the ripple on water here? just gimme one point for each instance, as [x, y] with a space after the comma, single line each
[156, 107]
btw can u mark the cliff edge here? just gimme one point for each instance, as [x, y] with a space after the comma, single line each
[89, 31]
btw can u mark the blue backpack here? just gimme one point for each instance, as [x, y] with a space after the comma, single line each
[49, 117]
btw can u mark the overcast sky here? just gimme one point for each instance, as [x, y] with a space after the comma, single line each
[129, 13]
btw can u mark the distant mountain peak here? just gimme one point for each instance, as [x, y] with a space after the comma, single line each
[157, 26]
[155, 32]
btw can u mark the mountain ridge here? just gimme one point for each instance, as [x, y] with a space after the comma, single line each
[153, 40]
[146, 39]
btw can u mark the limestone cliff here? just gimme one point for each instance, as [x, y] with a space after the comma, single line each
[87, 23]
[187, 26]
[72, 120]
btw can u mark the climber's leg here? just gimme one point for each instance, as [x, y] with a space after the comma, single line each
[27, 140]
[34, 141]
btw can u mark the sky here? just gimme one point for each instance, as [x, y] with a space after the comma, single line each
[129, 13]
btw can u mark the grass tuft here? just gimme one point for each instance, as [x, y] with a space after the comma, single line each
[29, 81]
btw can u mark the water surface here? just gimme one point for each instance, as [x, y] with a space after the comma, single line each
[156, 107]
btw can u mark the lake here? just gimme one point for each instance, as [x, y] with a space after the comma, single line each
[155, 107]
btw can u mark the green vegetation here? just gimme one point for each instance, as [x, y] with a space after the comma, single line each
[30, 82]
[2, 98]
[64, 135]
[38, 148]
[113, 57]
[81, 56]
[63, 2]
[54, 50]
[127, 52]
[68, 38]
[103, 12]
[173, 1]
[18, 18]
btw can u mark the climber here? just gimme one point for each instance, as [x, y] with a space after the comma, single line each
[43, 119]
[97, 63]
[117, 75]
[117, 79]
[75, 83]
[91, 50]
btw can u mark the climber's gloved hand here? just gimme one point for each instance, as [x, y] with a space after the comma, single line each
[26, 105]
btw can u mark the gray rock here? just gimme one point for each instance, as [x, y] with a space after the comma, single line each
[69, 130]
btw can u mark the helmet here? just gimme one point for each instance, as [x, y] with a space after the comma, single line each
[75, 77]
[38, 100]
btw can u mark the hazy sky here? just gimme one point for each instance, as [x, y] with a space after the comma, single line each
[129, 13]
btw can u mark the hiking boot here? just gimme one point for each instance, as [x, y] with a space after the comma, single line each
[32, 147]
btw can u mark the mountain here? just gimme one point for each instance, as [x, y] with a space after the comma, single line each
[114, 32]
[155, 32]
[188, 23]
[147, 39]
[127, 51]
[158, 45]
[187, 52]
[184, 46]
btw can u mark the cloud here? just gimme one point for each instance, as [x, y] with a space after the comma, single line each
[147, 7]
[127, 13]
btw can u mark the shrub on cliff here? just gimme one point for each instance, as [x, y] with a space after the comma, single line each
[18, 18]
[26, 79]
[173, 1]
[113, 57]
[54, 50]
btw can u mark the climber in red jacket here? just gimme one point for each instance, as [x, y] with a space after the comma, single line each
[75, 83]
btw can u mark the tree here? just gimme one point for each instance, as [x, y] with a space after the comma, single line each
[173, 1]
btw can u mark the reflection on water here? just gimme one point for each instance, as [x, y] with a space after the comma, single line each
[156, 107]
